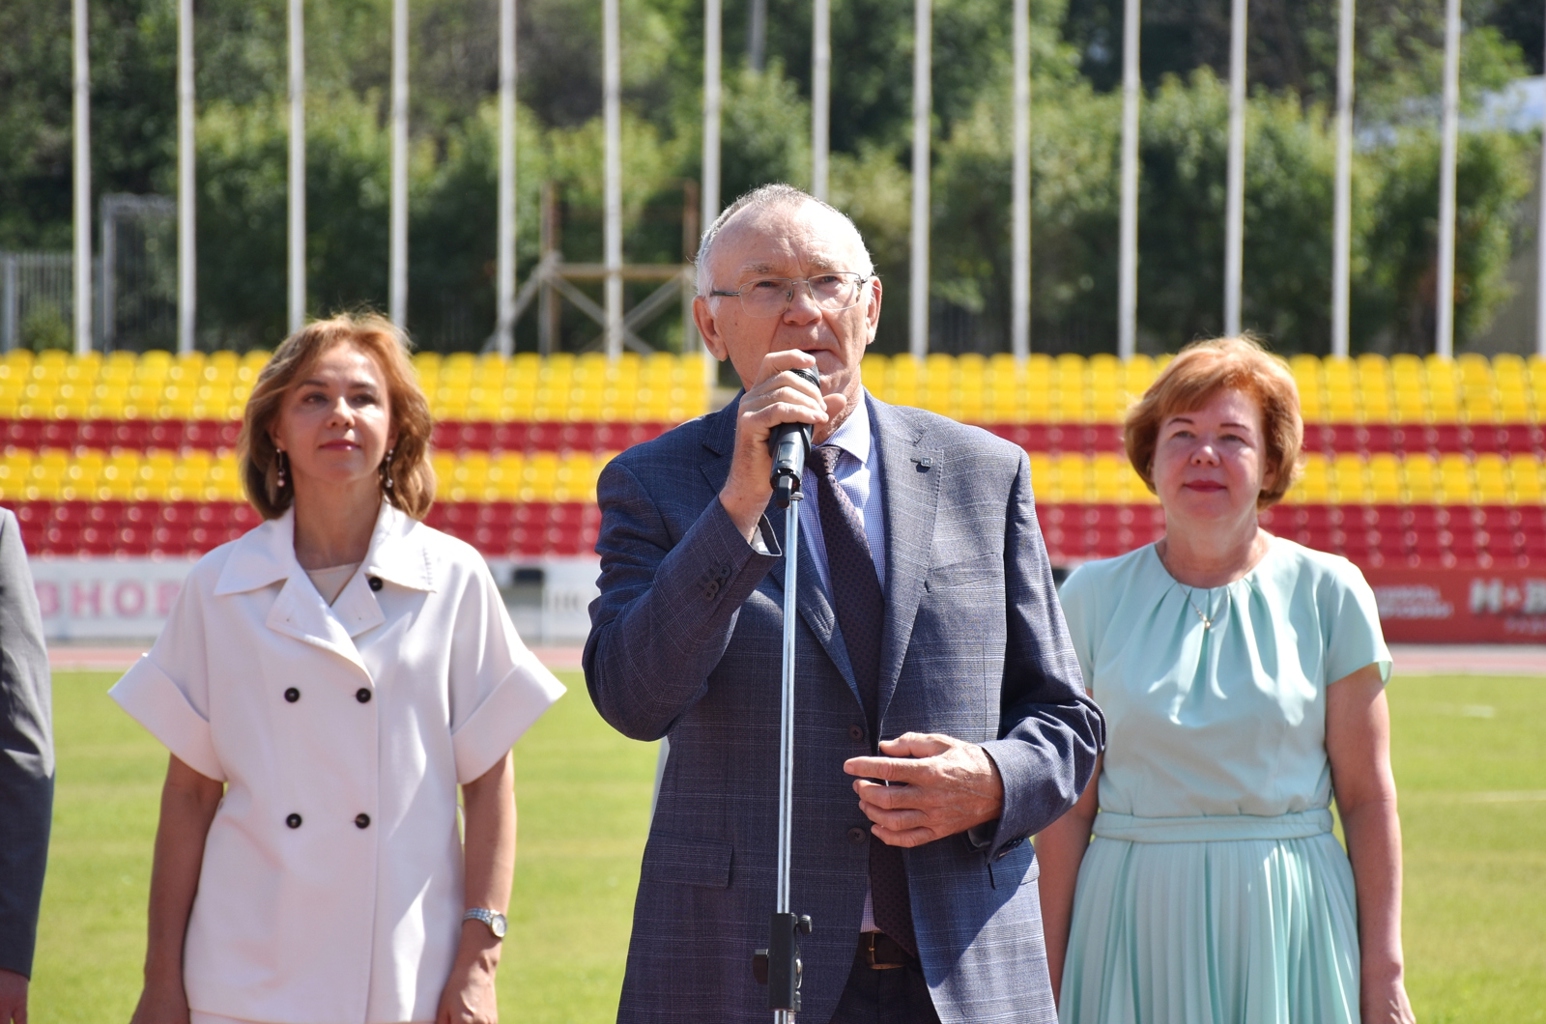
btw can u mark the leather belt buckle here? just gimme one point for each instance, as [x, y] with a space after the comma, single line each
[881, 952]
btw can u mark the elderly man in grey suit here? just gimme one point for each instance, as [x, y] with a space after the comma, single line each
[940, 717]
[26, 770]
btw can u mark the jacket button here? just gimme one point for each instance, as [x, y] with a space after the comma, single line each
[362, 695]
[362, 821]
[857, 836]
[292, 695]
[711, 590]
[856, 732]
[375, 582]
[294, 821]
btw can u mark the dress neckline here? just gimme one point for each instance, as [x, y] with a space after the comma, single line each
[1274, 542]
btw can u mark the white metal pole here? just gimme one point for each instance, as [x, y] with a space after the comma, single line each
[821, 95]
[504, 245]
[918, 312]
[82, 206]
[613, 202]
[1234, 203]
[1020, 289]
[1342, 242]
[713, 21]
[397, 283]
[708, 193]
[1444, 340]
[187, 197]
[1127, 272]
[297, 185]
[1540, 257]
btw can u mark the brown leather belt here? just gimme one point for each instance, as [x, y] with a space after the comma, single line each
[880, 952]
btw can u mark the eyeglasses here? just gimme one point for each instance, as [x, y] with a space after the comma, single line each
[770, 296]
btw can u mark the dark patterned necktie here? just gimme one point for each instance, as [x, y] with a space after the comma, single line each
[860, 606]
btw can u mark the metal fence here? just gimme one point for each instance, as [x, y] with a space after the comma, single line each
[135, 284]
[139, 272]
[36, 300]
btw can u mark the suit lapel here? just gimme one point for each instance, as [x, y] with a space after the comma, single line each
[909, 479]
[815, 607]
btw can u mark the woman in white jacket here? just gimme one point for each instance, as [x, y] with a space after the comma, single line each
[324, 684]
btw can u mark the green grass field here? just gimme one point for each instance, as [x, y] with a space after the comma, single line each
[1469, 760]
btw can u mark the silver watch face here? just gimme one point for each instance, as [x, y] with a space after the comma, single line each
[497, 926]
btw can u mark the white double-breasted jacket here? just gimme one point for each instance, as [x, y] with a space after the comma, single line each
[331, 888]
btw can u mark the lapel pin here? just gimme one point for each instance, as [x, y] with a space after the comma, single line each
[923, 461]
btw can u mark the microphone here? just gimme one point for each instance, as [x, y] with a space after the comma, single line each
[789, 444]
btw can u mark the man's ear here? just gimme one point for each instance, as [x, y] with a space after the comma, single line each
[708, 326]
[872, 311]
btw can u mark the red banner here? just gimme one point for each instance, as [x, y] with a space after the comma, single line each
[1461, 605]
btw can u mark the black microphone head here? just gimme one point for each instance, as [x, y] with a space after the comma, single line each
[807, 373]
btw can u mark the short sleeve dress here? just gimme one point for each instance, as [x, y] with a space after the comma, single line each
[331, 889]
[1214, 890]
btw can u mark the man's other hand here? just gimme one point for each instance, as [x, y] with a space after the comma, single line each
[929, 786]
[13, 998]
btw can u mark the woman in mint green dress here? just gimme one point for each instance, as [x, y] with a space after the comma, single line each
[1242, 677]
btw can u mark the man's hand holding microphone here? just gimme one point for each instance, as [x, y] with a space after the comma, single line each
[779, 396]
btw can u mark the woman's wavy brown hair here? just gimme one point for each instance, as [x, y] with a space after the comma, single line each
[1202, 370]
[413, 480]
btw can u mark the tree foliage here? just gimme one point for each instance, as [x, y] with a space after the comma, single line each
[242, 142]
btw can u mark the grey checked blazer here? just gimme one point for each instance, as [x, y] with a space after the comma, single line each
[686, 642]
[26, 753]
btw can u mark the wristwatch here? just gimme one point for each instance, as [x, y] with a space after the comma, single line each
[492, 918]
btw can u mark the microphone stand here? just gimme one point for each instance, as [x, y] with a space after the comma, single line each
[779, 966]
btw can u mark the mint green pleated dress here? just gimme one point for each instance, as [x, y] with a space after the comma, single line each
[1214, 891]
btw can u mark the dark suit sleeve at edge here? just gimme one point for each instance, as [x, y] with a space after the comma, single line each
[1051, 730]
[666, 611]
[26, 753]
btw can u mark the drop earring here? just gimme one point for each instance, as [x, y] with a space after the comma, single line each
[279, 462]
[386, 470]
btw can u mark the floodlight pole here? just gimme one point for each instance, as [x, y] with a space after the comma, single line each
[504, 245]
[1540, 259]
[918, 304]
[1444, 339]
[1234, 203]
[1127, 272]
[713, 22]
[821, 95]
[297, 175]
[82, 197]
[613, 199]
[397, 286]
[1020, 214]
[1342, 240]
[187, 197]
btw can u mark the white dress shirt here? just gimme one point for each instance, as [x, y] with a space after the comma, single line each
[858, 473]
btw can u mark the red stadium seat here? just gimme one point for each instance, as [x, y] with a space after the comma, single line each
[166, 433]
[131, 434]
[1524, 438]
[22, 433]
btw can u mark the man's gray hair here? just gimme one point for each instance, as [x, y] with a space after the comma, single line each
[767, 197]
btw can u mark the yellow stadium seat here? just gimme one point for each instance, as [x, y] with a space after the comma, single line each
[1385, 478]
[1456, 482]
[1492, 485]
[1419, 479]
[1318, 482]
[1350, 478]
[539, 477]
[1525, 480]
